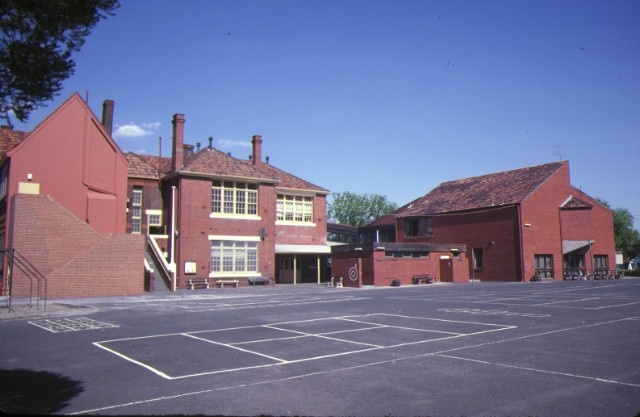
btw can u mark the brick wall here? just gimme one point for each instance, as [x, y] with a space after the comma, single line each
[77, 261]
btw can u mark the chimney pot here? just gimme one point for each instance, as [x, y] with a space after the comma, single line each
[197, 146]
[210, 142]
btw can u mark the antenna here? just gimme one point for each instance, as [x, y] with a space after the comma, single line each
[558, 152]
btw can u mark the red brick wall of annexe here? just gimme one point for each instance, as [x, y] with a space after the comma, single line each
[546, 225]
[77, 260]
[376, 268]
[501, 259]
[195, 226]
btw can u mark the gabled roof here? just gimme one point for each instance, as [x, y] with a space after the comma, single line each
[141, 167]
[286, 180]
[9, 139]
[164, 162]
[502, 188]
[212, 162]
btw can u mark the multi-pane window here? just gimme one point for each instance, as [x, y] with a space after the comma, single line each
[136, 210]
[294, 208]
[544, 265]
[418, 227]
[234, 198]
[154, 222]
[234, 256]
[601, 263]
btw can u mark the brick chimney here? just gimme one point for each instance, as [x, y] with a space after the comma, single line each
[107, 115]
[257, 149]
[177, 156]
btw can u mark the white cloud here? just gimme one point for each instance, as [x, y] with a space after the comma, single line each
[232, 143]
[133, 130]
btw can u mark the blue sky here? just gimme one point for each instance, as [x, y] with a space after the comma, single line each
[385, 97]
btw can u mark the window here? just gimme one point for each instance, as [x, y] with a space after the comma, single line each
[136, 211]
[600, 263]
[229, 257]
[418, 227]
[154, 223]
[234, 198]
[544, 265]
[477, 258]
[297, 209]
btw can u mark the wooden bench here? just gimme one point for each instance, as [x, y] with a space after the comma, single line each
[193, 283]
[233, 282]
[259, 280]
[427, 279]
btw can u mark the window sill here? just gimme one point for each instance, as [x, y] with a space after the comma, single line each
[234, 216]
[287, 223]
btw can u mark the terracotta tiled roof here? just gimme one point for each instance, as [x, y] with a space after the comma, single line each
[210, 161]
[165, 163]
[508, 187]
[140, 166]
[10, 138]
[286, 180]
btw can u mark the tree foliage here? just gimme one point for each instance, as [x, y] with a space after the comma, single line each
[37, 39]
[358, 209]
[626, 237]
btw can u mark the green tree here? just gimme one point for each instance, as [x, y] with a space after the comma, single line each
[626, 237]
[37, 38]
[358, 209]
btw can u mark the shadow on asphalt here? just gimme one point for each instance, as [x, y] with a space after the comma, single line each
[26, 392]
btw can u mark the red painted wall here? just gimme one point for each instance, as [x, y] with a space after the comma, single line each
[75, 162]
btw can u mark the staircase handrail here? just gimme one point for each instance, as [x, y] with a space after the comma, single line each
[160, 259]
[30, 271]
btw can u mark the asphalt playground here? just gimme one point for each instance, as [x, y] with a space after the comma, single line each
[567, 348]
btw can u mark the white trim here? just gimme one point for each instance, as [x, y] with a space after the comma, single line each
[234, 216]
[294, 223]
[153, 211]
[301, 249]
[239, 238]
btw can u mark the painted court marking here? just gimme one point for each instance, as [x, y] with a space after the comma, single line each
[71, 325]
[478, 312]
[282, 343]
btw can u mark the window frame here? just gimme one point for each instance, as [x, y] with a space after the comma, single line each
[234, 199]
[234, 256]
[294, 209]
[136, 211]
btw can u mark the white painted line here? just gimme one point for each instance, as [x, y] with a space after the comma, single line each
[144, 365]
[235, 347]
[524, 368]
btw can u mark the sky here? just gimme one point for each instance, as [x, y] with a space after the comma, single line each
[388, 97]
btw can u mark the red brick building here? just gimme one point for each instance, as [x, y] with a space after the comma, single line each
[514, 224]
[217, 217]
[63, 206]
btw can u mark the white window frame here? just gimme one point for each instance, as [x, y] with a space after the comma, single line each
[150, 213]
[136, 211]
[234, 199]
[294, 209]
[234, 256]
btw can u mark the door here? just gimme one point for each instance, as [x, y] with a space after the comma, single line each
[446, 270]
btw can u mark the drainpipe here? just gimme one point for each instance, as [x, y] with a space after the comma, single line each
[520, 232]
[173, 237]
